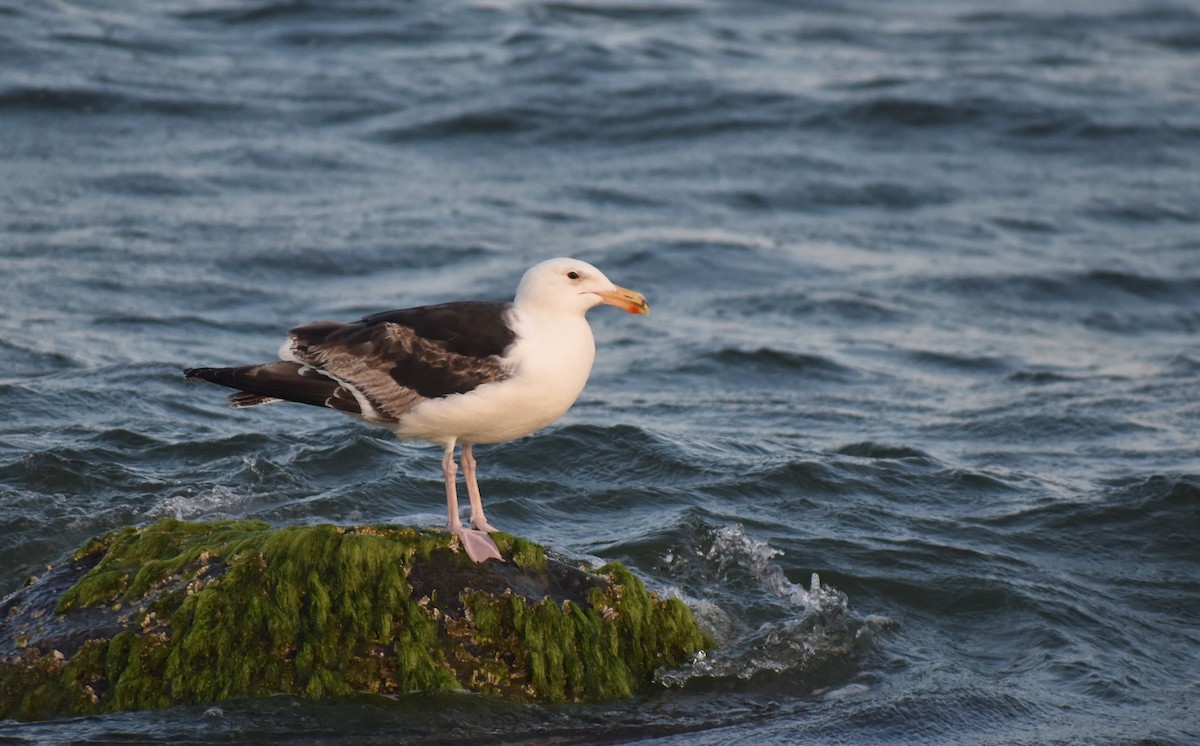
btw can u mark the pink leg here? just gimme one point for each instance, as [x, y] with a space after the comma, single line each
[478, 520]
[449, 471]
[477, 544]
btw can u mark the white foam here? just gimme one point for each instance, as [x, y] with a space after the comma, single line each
[732, 546]
[800, 630]
[214, 503]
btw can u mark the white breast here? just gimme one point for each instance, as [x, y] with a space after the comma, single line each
[551, 361]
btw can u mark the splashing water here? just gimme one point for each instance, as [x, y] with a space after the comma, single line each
[768, 625]
[731, 545]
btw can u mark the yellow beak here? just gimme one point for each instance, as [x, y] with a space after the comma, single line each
[631, 301]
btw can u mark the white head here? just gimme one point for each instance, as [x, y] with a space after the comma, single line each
[570, 286]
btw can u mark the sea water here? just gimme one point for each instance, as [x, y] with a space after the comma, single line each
[913, 423]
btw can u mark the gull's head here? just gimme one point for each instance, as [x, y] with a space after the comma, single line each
[572, 286]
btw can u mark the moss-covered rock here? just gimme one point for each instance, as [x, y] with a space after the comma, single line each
[194, 613]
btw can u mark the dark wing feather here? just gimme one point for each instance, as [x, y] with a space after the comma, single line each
[382, 366]
[397, 359]
[262, 384]
[469, 328]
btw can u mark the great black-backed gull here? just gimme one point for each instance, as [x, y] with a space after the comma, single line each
[463, 372]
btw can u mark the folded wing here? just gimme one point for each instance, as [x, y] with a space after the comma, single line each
[381, 366]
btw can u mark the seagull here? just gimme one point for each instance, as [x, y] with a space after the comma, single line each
[463, 372]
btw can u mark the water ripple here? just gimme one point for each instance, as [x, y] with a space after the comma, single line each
[925, 303]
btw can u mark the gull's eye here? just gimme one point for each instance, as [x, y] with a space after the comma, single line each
[572, 275]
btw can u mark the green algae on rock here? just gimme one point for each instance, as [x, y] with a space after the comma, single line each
[191, 613]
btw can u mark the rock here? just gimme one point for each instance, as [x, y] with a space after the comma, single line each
[197, 613]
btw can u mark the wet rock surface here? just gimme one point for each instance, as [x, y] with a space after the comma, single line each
[194, 613]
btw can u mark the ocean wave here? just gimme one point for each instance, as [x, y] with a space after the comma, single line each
[1060, 424]
[769, 362]
[599, 454]
[321, 36]
[488, 123]
[822, 194]
[1155, 515]
[23, 359]
[305, 262]
[1110, 289]
[885, 451]
[275, 11]
[768, 626]
[106, 100]
[1173, 208]
[625, 197]
[640, 114]
[913, 112]
[151, 184]
[626, 11]
[1075, 125]
[1029, 122]
[960, 361]
[830, 307]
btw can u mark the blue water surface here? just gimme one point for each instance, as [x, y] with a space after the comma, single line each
[925, 280]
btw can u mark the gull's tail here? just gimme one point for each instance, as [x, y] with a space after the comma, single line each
[278, 381]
